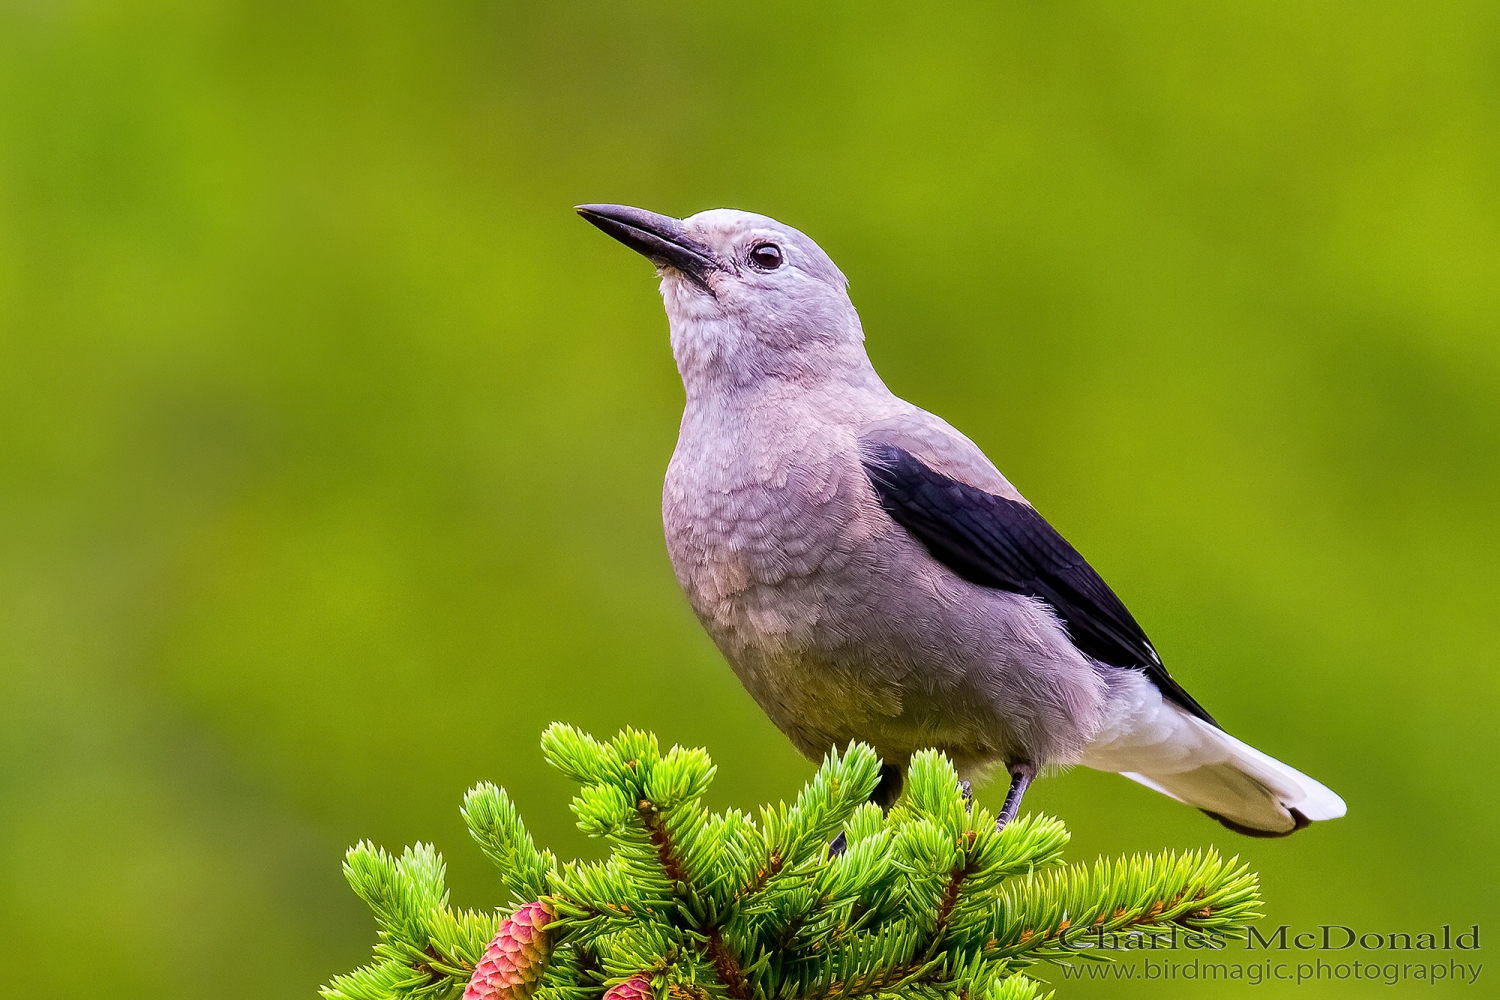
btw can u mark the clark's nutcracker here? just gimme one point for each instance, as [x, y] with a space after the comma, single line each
[870, 575]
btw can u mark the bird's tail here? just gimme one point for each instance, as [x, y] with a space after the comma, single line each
[1159, 744]
[1248, 791]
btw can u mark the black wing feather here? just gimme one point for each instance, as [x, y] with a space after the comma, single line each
[1005, 544]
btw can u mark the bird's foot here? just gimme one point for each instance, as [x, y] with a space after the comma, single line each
[967, 792]
[839, 846]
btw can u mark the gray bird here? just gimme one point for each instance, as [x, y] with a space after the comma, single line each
[871, 576]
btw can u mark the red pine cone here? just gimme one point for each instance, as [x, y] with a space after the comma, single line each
[637, 987]
[513, 962]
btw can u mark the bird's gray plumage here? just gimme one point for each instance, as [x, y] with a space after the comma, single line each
[843, 624]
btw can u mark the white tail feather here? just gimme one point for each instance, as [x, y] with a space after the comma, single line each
[1250, 789]
[1159, 745]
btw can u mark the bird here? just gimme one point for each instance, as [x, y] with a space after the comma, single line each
[870, 575]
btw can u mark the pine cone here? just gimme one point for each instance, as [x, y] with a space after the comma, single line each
[637, 987]
[513, 962]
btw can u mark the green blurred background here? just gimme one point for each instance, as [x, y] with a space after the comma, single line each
[331, 441]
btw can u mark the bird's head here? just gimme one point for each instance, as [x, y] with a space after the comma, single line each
[747, 298]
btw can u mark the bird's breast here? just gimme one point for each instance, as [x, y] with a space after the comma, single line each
[758, 535]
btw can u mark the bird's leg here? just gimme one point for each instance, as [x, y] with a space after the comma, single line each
[967, 792]
[1020, 779]
[889, 789]
[886, 792]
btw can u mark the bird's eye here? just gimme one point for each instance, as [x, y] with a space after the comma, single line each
[766, 256]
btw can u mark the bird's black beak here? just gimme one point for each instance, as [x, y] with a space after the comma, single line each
[660, 238]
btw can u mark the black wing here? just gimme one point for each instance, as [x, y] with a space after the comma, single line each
[1005, 544]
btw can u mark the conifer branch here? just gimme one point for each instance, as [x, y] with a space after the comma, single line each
[929, 902]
